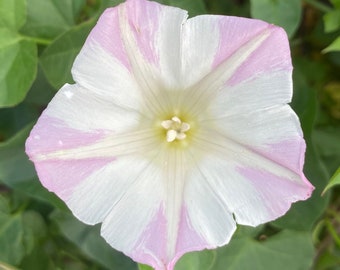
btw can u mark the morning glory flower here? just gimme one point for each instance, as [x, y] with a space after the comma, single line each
[175, 130]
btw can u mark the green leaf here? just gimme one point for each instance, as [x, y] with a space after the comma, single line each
[58, 58]
[108, 3]
[286, 250]
[327, 261]
[12, 157]
[41, 91]
[144, 267]
[13, 119]
[50, 18]
[88, 239]
[34, 229]
[197, 260]
[38, 259]
[333, 47]
[327, 141]
[12, 13]
[18, 58]
[332, 21]
[194, 8]
[335, 180]
[11, 239]
[5, 266]
[286, 14]
[336, 3]
[4, 205]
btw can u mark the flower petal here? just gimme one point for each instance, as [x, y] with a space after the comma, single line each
[273, 132]
[148, 231]
[138, 41]
[79, 133]
[250, 55]
[100, 193]
[84, 110]
[200, 41]
[208, 214]
[272, 54]
[251, 188]
[268, 90]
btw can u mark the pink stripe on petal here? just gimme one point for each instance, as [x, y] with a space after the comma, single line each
[274, 193]
[51, 134]
[63, 176]
[188, 239]
[153, 241]
[144, 19]
[273, 54]
[234, 32]
[288, 153]
[107, 34]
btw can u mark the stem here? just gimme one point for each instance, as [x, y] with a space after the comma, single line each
[333, 232]
[318, 5]
[40, 41]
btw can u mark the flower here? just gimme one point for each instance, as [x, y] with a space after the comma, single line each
[175, 130]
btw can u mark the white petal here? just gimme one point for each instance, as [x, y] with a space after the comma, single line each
[200, 43]
[96, 195]
[138, 41]
[86, 110]
[250, 190]
[270, 89]
[275, 132]
[208, 213]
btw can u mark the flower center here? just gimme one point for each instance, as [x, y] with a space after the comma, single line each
[175, 129]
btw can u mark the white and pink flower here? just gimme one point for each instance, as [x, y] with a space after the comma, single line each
[175, 130]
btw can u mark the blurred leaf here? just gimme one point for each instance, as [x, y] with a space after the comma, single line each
[327, 141]
[18, 58]
[144, 267]
[336, 3]
[327, 261]
[50, 18]
[332, 20]
[41, 91]
[286, 250]
[37, 259]
[58, 58]
[107, 4]
[334, 46]
[34, 229]
[11, 238]
[335, 180]
[194, 8]
[12, 120]
[330, 102]
[88, 239]
[4, 205]
[12, 13]
[286, 14]
[197, 260]
[12, 157]
[5, 266]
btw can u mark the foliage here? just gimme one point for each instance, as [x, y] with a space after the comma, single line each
[39, 40]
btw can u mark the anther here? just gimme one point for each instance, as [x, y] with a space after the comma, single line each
[175, 129]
